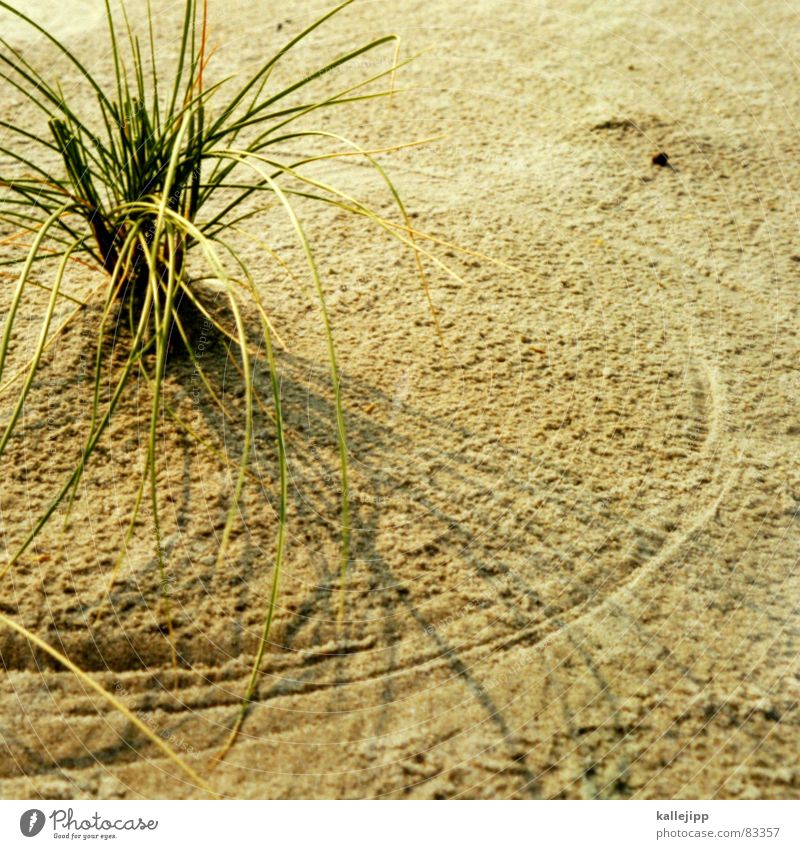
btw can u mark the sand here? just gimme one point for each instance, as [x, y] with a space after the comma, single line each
[576, 546]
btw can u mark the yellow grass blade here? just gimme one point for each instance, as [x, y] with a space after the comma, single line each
[111, 699]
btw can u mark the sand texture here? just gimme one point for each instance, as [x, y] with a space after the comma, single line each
[576, 541]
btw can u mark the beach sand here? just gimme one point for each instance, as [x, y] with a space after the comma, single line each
[575, 538]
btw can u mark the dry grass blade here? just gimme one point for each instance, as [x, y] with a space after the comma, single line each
[112, 700]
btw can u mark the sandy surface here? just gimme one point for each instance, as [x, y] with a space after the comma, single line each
[575, 572]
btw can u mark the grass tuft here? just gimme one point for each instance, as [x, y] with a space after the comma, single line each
[151, 188]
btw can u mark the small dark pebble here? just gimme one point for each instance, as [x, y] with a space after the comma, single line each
[661, 159]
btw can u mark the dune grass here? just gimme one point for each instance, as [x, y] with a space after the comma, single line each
[150, 184]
